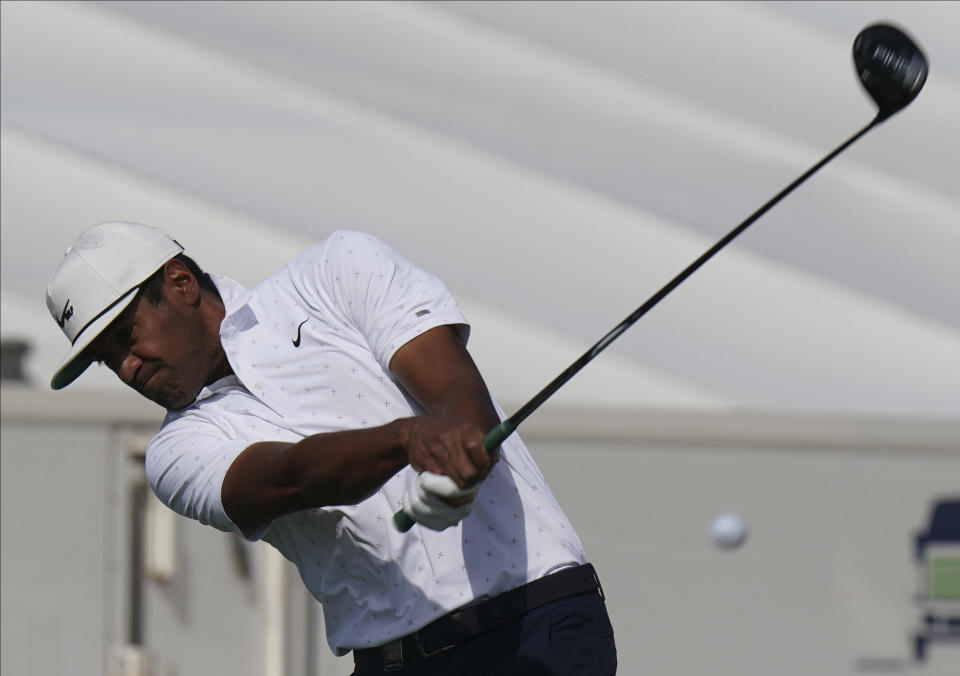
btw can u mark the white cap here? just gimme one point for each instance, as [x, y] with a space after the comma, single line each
[97, 279]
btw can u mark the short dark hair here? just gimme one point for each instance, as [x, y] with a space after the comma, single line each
[151, 289]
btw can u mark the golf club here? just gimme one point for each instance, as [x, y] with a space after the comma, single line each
[892, 69]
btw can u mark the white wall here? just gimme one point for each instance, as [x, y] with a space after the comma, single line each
[824, 584]
[70, 480]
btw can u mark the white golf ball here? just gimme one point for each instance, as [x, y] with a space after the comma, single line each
[728, 531]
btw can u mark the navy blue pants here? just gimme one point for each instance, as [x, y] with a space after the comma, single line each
[569, 637]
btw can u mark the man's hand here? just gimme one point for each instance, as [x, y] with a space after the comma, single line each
[438, 372]
[449, 447]
[428, 501]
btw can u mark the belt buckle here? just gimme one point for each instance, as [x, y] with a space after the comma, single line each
[392, 655]
[425, 653]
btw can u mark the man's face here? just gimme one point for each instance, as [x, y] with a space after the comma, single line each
[162, 351]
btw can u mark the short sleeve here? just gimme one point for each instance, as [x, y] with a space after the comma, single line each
[186, 464]
[389, 299]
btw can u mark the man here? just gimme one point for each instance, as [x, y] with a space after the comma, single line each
[306, 410]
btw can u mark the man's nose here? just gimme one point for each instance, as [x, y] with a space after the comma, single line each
[128, 367]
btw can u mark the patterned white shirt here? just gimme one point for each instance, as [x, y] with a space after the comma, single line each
[310, 348]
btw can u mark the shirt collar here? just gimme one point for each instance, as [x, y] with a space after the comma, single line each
[217, 386]
[233, 294]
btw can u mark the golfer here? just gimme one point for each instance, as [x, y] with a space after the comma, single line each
[305, 411]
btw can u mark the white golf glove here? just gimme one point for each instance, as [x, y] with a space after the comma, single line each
[424, 501]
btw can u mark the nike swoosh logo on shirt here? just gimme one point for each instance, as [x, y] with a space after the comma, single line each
[296, 341]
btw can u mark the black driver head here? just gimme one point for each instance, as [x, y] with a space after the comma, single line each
[890, 65]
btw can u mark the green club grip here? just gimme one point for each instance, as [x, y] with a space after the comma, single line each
[402, 521]
[496, 436]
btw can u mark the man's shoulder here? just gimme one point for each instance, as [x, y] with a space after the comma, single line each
[329, 259]
[338, 245]
[350, 238]
[177, 423]
[345, 242]
[203, 423]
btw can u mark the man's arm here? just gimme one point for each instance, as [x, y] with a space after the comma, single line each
[270, 479]
[437, 371]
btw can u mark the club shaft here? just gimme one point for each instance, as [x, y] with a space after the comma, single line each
[499, 433]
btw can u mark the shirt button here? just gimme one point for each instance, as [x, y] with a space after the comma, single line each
[258, 386]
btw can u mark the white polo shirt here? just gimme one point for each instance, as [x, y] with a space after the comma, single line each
[310, 348]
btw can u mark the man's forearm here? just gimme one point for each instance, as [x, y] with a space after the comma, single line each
[343, 468]
[270, 479]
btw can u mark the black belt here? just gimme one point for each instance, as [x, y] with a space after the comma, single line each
[444, 633]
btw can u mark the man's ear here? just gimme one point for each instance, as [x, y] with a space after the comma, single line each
[180, 283]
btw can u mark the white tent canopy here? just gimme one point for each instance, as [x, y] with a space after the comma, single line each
[554, 163]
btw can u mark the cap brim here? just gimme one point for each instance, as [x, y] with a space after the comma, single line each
[73, 364]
